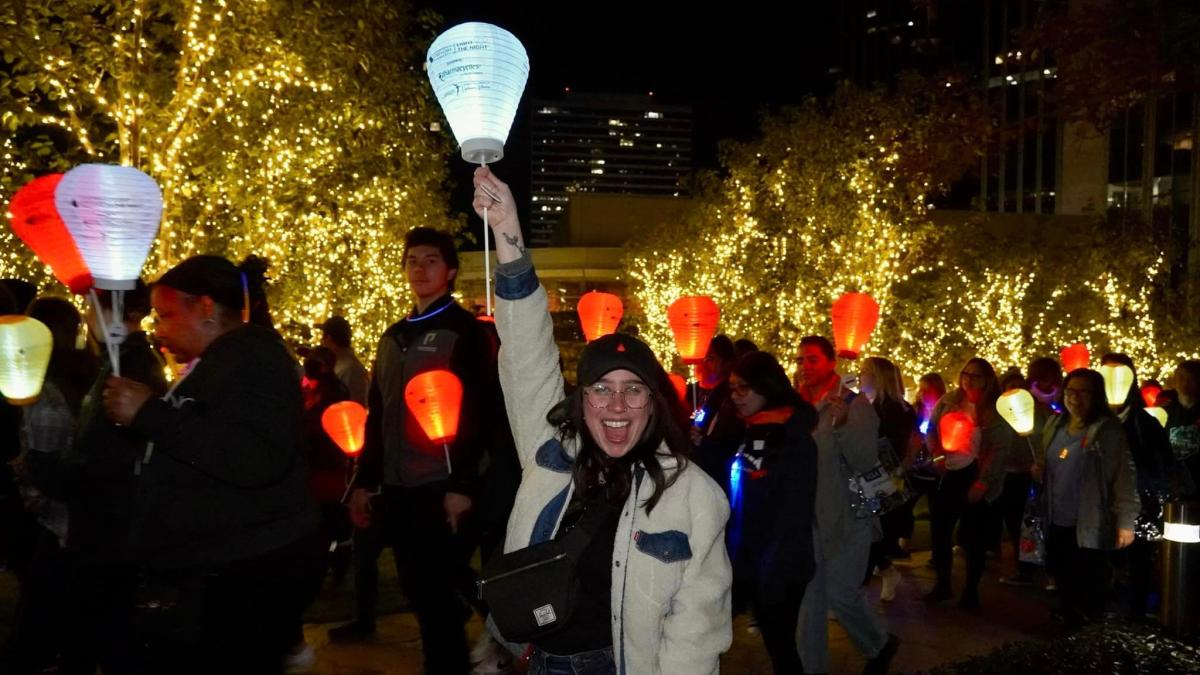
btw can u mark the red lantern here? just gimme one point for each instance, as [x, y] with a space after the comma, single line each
[599, 314]
[1150, 394]
[955, 430]
[1074, 357]
[855, 316]
[694, 322]
[434, 397]
[680, 386]
[346, 424]
[36, 221]
[486, 318]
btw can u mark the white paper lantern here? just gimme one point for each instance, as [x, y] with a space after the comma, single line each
[113, 214]
[478, 72]
[25, 346]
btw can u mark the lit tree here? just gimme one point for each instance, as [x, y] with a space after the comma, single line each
[293, 130]
[827, 200]
[833, 199]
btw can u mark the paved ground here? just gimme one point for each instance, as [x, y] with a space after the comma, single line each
[930, 635]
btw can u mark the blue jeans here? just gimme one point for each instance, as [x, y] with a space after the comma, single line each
[596, 662]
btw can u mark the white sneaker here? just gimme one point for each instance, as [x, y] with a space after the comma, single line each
[891, 579]
[300, 660]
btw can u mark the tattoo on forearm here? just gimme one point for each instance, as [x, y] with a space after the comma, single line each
[514, 241]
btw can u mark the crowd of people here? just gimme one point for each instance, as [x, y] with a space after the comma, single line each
[184, 525]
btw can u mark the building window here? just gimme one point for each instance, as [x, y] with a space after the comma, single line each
[626, 143]
[653, 115]
[598, 171]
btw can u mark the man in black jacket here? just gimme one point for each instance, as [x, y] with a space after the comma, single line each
[425, 496]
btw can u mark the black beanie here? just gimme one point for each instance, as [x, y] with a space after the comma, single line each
[619, 351]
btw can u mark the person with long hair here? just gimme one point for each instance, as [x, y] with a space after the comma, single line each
[654, 579]
[224, 509]
[1090, 496]
[773, 487]
[879, 380]
[970, 479]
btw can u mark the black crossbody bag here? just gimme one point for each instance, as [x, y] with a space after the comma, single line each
[533, 592]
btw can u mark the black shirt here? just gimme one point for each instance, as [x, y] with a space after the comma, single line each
[591, 626]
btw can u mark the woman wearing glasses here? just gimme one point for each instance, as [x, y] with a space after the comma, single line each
[655, 578]
[773, 488]
[1089, 493]
[970, 479]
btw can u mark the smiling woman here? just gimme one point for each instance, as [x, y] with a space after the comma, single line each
[605, 486]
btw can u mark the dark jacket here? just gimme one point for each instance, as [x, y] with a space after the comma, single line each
[1150, 448]
[1108, 498]
[722, 432]
[225, 479]
[96, 477]
[396, 451]
[897, 423]
[774, 494]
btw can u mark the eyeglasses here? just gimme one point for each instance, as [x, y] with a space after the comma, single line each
[738, 388]
[635, 396]
[974, 377]
[1078, 393]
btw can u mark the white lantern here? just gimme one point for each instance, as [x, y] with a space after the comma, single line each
[112, 213]
[1017, 408]
[25, 346]
[1159, 414]
[1118, 378]
[478, 72]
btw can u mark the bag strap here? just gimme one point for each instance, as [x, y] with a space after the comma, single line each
[582, 533]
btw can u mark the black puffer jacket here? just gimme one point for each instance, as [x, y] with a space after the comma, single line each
[225, 478]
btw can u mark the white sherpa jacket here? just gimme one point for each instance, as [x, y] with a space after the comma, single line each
[671, 575]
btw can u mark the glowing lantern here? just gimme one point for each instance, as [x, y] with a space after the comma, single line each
[478, 73]
[680, 385]
[25, 346]
[694, 321]
[1118, 378]
[35, 220]
[854, 318]
[955, 430]
[346, 424]
[1074, 357]
[599, 314]
[1016, 406]
[113, 214]
[1159, 414]
[1150, 394]
[435, 398]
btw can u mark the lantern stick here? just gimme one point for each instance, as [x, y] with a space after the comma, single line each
[114, 355]
[449, 467]
[695, 386]
[1032, 452]
[487, 264]
[352, 465]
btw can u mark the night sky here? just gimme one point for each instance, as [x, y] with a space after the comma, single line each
[729, 62]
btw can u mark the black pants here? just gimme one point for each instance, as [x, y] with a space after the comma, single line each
[100, 627]
[1139, 574]
[1083, 575]
[777, 619]
[35, 638]
[1012, 504]
[245, 612]
[434, 570]
[948, 508]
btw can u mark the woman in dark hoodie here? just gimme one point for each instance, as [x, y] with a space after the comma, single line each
[1150, 448]
[224, 505]
[773, 487]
